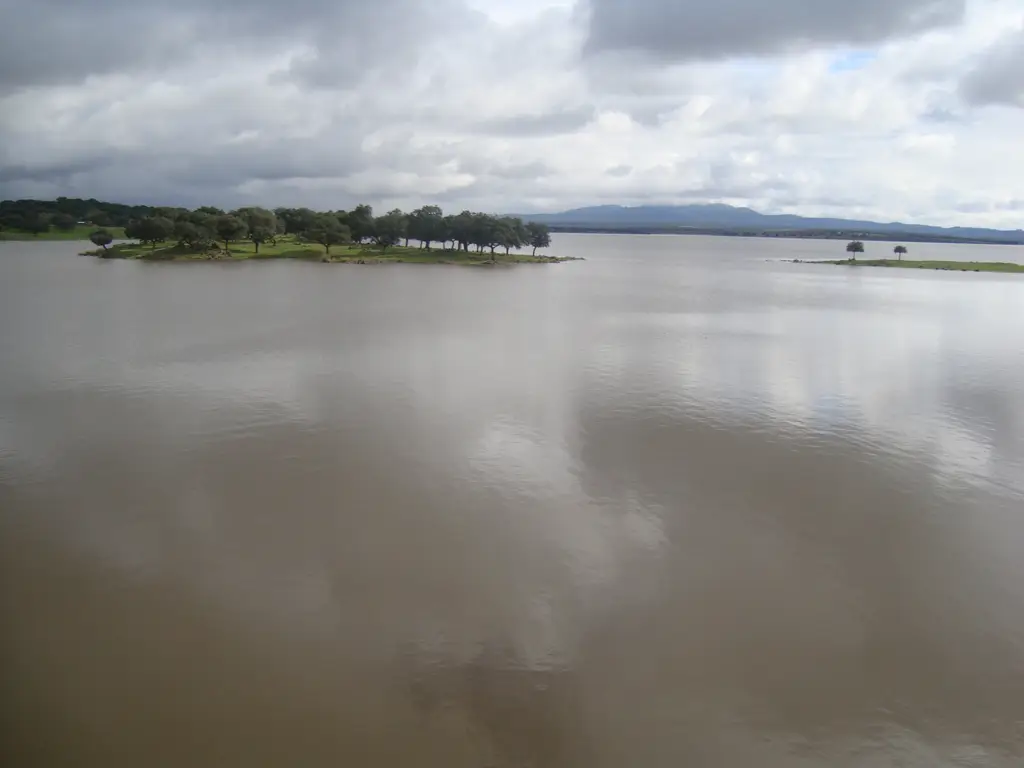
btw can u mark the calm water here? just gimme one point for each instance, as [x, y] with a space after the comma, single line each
[680, 504]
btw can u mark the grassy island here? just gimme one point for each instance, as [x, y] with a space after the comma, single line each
[161, 233]
[289, 247]
[946, 266]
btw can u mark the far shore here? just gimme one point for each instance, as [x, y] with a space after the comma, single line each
[290, 248]
[942, 266]
[79, 232]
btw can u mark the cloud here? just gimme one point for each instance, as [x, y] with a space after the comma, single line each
[697, 29]
[66, 41]
[870, 110]
[998, 75]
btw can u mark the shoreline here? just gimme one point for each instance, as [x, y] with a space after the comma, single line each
[1004, 267]
[340, 254]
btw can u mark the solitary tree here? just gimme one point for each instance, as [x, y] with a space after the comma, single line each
[854, 248]
[229, 228]
[327, 230]
[900, 251]
[102, 238]
[539, 234]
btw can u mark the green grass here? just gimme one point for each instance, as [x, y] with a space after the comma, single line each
[947, 266]
[78, 233]
[291, 248]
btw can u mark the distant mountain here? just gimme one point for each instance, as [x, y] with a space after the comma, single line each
[726, 218]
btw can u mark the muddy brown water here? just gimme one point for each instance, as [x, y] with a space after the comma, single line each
[680, 504]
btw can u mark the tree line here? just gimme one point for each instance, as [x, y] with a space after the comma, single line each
[204, 227]
[64, 213]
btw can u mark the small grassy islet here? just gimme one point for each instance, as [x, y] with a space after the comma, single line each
[945, 266]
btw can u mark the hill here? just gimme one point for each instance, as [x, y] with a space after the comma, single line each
[730, 220]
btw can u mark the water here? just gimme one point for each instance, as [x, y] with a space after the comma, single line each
[680, 504]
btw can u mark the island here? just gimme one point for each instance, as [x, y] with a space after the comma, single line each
[424, 236]
[290, 247]
[857, 247]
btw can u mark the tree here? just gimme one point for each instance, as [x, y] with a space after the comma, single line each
[360, 222]
[102, 238]
[97, 218]
[389, 229]
[448, 228]
[484, 232]
[262, 224]
[37, 223]
[462, 230]
[900, 251]
[229, 228]
[64, 222]
[854, 248]
[539, 235]
[150, 230]
[13, 220]
[296, 220]
[426, 224]
[193, 236]
[327, 230]
[511, 233]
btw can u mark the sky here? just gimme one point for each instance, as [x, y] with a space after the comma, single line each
[909, 110]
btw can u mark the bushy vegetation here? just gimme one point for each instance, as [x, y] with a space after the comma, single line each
[206, 229]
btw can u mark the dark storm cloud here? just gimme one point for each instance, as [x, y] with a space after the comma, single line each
[706, 29]
[998, 76]
[62, 41]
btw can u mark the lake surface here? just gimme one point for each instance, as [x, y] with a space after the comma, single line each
[680, 504]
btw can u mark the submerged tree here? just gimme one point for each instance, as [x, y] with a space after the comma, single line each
[900, 251]
[854, 248]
